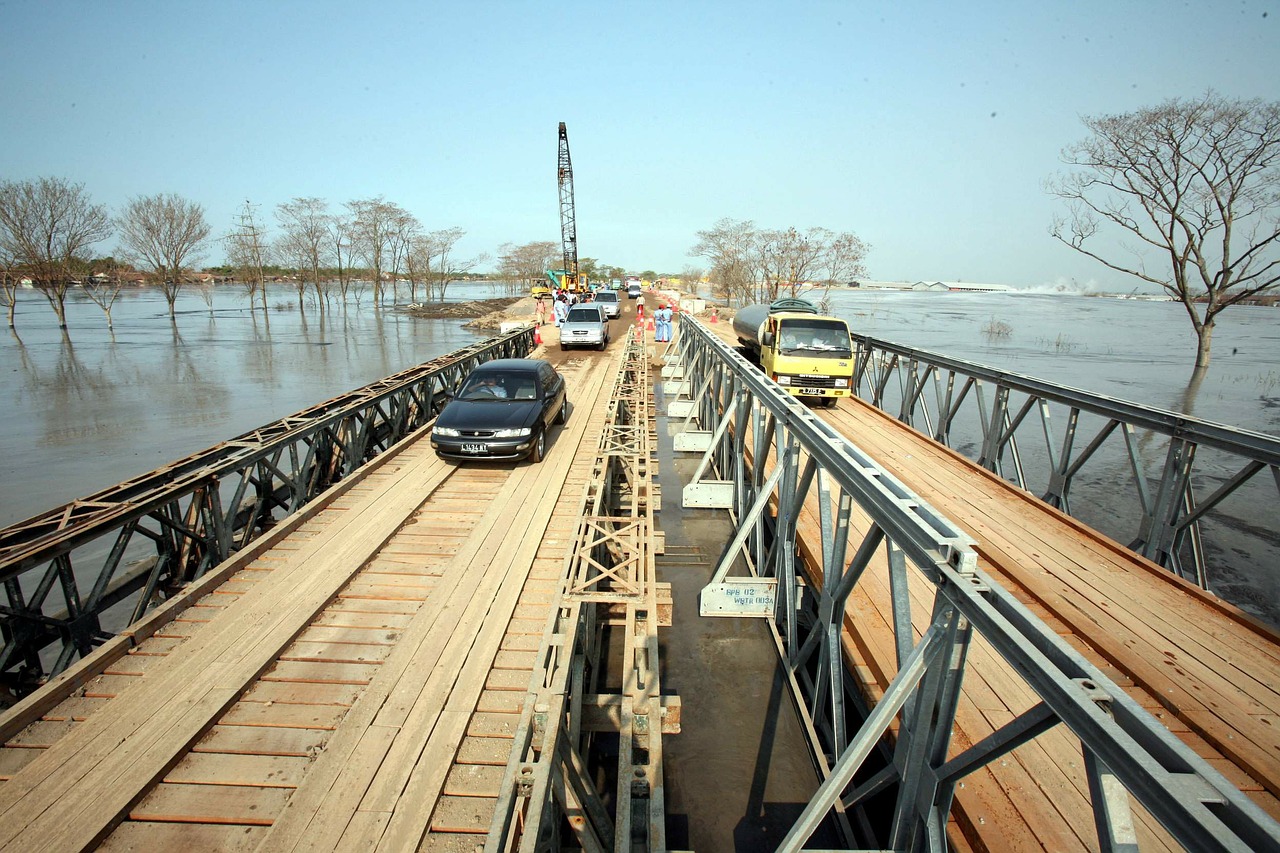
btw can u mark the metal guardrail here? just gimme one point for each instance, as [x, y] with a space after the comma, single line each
[775, 458]
[998, 405]
[110, 557]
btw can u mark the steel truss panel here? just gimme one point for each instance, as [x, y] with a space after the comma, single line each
[780, 458]
[549, 784]
[141, 541]
[1169, 517]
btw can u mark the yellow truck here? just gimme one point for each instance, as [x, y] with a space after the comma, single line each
[807, 353]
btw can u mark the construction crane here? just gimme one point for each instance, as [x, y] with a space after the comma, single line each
[568, 224]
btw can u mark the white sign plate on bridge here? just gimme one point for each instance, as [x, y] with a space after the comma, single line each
[739, 597]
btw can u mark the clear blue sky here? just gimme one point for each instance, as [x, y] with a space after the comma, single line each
[926, 128]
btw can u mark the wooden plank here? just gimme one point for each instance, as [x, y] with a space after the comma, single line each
[299, 693]
[290, 716]
[321, 673]
[148, 837]
[258, 740]
[264, 771]
[211, 804]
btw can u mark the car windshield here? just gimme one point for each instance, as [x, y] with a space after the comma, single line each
[492, 386]
[829, 339]
[606, 296]
[584, 315]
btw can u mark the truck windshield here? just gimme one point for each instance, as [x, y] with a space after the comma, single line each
[814, 337]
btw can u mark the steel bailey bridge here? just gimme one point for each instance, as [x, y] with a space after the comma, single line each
[343, 641]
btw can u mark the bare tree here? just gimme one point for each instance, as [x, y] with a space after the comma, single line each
[405, 229]
[444, 266]
[732, 248]
[104, 290]
[339, 228]
[9, 282]
[527, 264]
[1195, 183]
[247, 252]
[845, 257]
[163, 232]
[789, 259]
[305, 224]
[44, 225]
[373, 225]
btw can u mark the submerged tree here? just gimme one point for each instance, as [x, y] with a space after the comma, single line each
[45, 225]
[1195, 184]
[305, 240]
[247, 252]
[165, 232]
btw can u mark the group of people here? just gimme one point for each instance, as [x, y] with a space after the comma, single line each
[662, 323]
[560, 302]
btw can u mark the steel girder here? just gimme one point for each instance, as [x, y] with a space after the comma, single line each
[548, 799]
[780, 461]
[1169, 513]
[138, 542]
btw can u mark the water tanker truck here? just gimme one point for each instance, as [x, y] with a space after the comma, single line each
[807, 353]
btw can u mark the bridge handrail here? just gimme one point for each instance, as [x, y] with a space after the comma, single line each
[1242, 442]
[1170, 511]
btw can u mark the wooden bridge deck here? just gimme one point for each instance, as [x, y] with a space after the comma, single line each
[356, 683]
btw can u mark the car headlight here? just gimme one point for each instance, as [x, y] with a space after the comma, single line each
[446, 431]
[842, 383]
[521, 432]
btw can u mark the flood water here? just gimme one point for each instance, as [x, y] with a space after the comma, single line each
[89, 410]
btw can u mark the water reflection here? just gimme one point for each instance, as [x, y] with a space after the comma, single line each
[91, 410]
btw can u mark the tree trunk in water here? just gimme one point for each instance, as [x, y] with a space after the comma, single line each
[1204, 344]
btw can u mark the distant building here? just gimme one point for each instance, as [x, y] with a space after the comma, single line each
[932, 286]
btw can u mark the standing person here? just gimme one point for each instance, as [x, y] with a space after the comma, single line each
[665, 312]
[561, 310]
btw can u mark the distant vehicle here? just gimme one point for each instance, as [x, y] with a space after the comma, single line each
[634, 290]
[502, 411]
[808, 354]
[608, 300]
[586, 326]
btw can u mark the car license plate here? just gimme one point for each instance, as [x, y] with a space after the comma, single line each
[474, 448]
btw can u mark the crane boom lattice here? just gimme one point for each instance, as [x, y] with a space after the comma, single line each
[568, 223]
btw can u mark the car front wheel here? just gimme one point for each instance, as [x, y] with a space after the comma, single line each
[563, 414]
[539, 447]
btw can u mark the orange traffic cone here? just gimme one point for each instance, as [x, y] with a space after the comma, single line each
[649, 325]
[537, 336]
[714, 316]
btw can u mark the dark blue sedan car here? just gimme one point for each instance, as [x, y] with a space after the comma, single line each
[502, 411]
